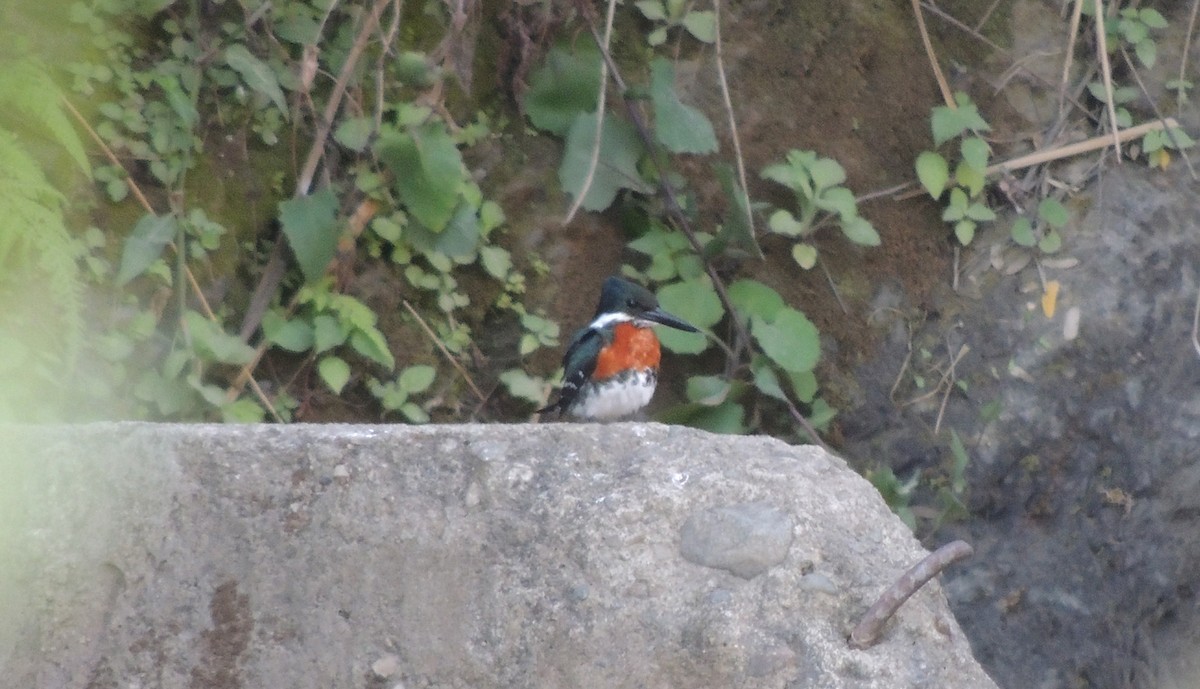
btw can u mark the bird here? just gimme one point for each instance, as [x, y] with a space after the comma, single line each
[610, 368]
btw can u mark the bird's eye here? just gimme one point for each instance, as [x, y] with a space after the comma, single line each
[630, 302]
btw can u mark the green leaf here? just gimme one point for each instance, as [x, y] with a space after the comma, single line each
[753, 298]
[256, 74]
[969, 178]
[975, 152]
[213, 343]
[657, 37]
[791, 340]
[723, 418]
[679, 127]
[428, 170]
[945, 124]
[370, 343]
[496, 261]
[145, 245]
[335, 372]
[707, 390]
[524, 386]
[652, 10]
[620, 150]
[1152, 18]
[1146, 51]
[933, 172]
[860, 231]
[826, 173]
[416, 379]
[294, 335]
[702, 24]
[784, 223]
[805, 255]
[242, 411]
[1051, 243]
[1053, 213]
[696, 302]
[804, 384]
[308, 224]
[964, 230]
[414, 413]
[838, 200]
[765, 378]
[354, 133]
[1022, 232]
[328, 333]
[980, 213]
[566, 86]
[961, 459]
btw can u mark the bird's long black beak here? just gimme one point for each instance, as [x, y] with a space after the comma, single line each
[659, 316]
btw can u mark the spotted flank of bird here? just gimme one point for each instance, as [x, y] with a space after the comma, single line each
[610, 369]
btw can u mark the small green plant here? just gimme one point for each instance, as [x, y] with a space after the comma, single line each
[965, 207]
[669, 14]
[1043, 230]
[817, 184]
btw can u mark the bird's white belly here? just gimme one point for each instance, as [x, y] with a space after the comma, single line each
[617, 397]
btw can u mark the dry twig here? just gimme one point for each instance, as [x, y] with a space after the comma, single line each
[868, 630]
[1106, 73]
[733, 130]
[933, 61]
[445, 352]
[601, 101]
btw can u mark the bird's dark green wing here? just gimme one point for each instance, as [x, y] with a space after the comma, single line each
[578, 364]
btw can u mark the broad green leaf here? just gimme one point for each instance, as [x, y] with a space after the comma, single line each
[354, 133]
[702, 24]
[1053, 213]
[566, 86]
[1152, 18]
[1022, 232]
[980, 213]
[838, 200]
[335, 372]
[370, 343]
[791, 340]
[1051, 243]
[945, 124]
[145, 245]
[1147, 52]
[753, 298]
[415, 379]
[428, 170]
[956, 209]
[256, 74]
[969, 178]
[964, 230]
[804, 384]
[657, 37]
[784, 223]
[212, 342]
[826, 172]
[679, 127]
[975, 152]
[765, 378]
[933, 172]
[294, 335]
[328, 333]
[723, 418]
[805, 255]
[414, 413]
[652, 10]
[697, 303]
[308, 224]
[496, 261]
[860, 231]
[524, 386]
[620, 150]
[707, 390]
[242, 410]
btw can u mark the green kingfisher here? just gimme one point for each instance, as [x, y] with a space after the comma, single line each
[610, 369]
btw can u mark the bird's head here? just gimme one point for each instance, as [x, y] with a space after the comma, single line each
[623, 300]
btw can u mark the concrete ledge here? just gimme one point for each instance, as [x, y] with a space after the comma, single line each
[450, 556]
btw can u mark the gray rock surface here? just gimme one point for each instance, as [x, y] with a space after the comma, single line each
[454, 556]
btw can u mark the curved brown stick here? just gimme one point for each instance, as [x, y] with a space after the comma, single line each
[867, 632]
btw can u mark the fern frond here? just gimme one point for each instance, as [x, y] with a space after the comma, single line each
[27, 89]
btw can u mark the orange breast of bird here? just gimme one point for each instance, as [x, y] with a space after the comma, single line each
[632, 347]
